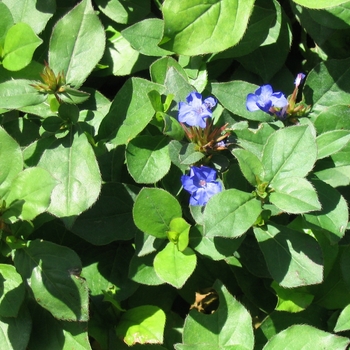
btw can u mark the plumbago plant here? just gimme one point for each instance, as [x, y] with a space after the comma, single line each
[174, 174]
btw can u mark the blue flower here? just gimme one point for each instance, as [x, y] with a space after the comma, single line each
[201, 184]
[195, 111]
[264, 98]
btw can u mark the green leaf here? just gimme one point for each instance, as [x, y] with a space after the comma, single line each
[73, 164]
[12, 291]
[143, 324]
[343, 322]
[332, 17]
[80, 57]
[6, 22]
[141, 270]
[145, 35]
[179, 233]
[333, 118]
[216, 248]
[153, 211]
[177, 85]
[11, 160]
[230, 213]
[231, 92]
[58, 334]
[125, 121]
[334, 215]
[249, 164]
[270, 57]
[333, 293]
[106, 272]
[188, 154]
[229, 327]
[11, 327]
[261, 20]
[18, 93]
[20, 44]
[159, 69]
[293, 258]
[112, 209]
[124, 11]
[173, 266]
[193, 27]
[120, 58]
[29, 194]
[35, 13]
[283, 151]
[292, 300]
[320, 4]
[327, 85]
[307, 338]
[172, 128]
[73, 96]
[254, 140]
[331, 142]
[52, 272]
[294, 195]
[147, 158]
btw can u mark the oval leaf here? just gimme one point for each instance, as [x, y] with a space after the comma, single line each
[143, 324]
[112, 209]
[283, 151]
[12, 291]
[11, 160]
[144, 37]
[22, 324]
[74, 165]
[36, 13]
[230, 213]
[320, 4]
[293, 258]
[52, 272]
[294, 195]
[153, 211]
[307, 338]
[331, 142]
[193, 27]
[73, 35]
[334, 215]
[147, 158]
[343, 322]
[231, 319]
[29, 194]
[249, 164]
[175, 267]
[19, 47]
[18, 93]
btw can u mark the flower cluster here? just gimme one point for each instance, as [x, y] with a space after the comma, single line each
[275, 103]
[195, 117]
[195, 112]
[201, 184]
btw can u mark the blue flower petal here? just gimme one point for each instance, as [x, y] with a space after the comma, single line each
[251, 103]
[200, 184]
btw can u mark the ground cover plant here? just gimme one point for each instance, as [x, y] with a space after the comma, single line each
[174, 174]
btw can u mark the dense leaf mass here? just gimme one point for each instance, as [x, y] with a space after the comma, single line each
[174, 174]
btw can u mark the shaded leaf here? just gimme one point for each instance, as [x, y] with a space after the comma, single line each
[52, 272]
[293, 258]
